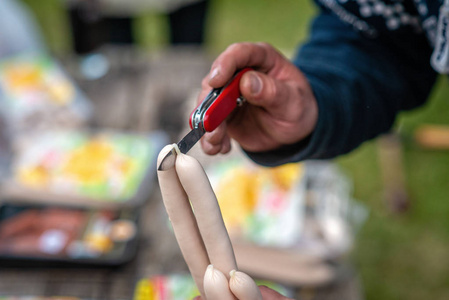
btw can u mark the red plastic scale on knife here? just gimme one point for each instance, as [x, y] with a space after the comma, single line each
[211, 112]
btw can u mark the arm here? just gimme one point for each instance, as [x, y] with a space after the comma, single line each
[342, 90]
[360, 85]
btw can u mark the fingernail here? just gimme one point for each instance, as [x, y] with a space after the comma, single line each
[255, 84]
[214, 73]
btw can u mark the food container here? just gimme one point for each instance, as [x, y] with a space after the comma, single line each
[36, 94]
[293, 224]
[102, 169]
[40, 298]
[51, 235]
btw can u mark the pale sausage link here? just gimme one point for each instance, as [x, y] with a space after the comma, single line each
[216, 285]
[207, 212]
[243, 286]
[204, 230]
[183, 222]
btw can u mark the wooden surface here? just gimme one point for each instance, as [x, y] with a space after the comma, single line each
[142, 93]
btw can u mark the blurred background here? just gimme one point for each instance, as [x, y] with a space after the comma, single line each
[401, 251]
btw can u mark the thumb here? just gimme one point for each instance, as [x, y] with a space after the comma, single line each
[277, 97]
[271, 294]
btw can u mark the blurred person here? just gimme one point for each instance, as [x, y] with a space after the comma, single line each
[98, 22]
[364, 62]
[188, 22]
[266, 292]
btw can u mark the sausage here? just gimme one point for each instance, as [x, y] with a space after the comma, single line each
[216, 285]
[207, 211]
[183, 221]
[204, 229]
[243, 286]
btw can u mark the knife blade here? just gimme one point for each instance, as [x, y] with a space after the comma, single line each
[208, 115]
[184, 146]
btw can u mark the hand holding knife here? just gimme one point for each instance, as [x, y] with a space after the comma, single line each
[210, 113]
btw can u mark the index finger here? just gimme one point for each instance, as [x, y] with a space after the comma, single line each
[240, 55]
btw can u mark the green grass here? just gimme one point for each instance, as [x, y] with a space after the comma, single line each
[400, 257]
[281, 23]
[405, 256]
[234, 21]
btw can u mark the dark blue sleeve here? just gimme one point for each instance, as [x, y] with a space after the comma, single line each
[360, 85]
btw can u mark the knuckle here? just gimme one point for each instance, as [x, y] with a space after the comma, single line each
[239, 47]
[265, 45]
[272, 91]
[234, 47]
[266, 48]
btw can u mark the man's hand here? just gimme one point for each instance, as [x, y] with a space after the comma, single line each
[267, 294]
[270, 294]
[281, 108]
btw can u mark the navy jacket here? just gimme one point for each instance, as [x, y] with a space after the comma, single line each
[366, 60]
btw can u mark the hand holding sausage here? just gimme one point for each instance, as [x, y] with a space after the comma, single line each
[281, 107]
[265, 292]
[240, 287]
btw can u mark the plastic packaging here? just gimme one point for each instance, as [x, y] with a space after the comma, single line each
[84, 168]
[64, 235]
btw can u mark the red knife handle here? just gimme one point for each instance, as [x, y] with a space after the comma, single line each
[224, 103]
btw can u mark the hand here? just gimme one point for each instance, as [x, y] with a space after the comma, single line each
[267, 294]
[280, 110]
[239, 286]
[270, 294]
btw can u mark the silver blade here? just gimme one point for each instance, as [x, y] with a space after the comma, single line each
[184, 146]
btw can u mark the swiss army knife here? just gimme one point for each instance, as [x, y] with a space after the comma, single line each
[210, 113]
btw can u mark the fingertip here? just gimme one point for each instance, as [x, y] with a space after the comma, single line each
[226, 145]
[216, 141]
[210, 149]
[264, 288]
[216, 77]
[216, 137]
[214, 73]
[222, 70]
[268, 293]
